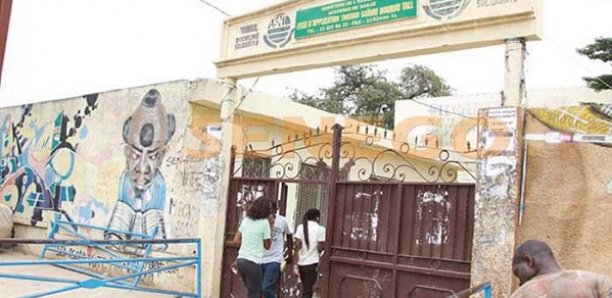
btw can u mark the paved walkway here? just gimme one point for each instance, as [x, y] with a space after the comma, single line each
[17, 288]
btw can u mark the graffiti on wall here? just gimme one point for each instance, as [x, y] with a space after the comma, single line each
[201, 175]
[184, 225]
[200, 171]
[142, 188]
[37, 160]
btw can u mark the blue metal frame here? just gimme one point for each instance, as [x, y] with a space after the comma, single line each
[72, 229]
[133, 265]
[486, 288]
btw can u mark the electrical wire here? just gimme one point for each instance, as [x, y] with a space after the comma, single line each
[440, 109]
[215, 8]
[236, 109]
[245, 95]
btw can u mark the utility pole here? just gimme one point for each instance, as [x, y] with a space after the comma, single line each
[5, 16]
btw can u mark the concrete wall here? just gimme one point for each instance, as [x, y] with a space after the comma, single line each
[91, 156]
[74, 151]
[569, 201]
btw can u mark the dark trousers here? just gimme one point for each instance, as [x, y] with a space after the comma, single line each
[308, 275]
[271, 271]
[250, 273]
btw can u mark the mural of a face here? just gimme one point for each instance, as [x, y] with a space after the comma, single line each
[146, 134]
[142, 189]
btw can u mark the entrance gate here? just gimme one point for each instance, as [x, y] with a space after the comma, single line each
[400, 239]
[385, 237]
[308, 34]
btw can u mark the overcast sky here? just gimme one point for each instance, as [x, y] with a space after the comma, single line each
[64, 48]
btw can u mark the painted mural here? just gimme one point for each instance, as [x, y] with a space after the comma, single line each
[142, 188]
[138, 161]
[38, 159]
[94, 161]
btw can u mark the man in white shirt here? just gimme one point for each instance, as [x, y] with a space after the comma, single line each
[271, 262]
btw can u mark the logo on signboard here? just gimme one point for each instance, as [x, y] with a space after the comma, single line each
[279, 31]
[445, 9]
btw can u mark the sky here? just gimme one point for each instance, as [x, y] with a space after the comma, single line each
[65, 48]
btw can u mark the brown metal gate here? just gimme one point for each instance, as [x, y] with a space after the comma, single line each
[250, 181]
[400, 240]
[242, 191]
[385, 237]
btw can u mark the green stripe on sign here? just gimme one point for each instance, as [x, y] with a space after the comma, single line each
[279, 29]
[349, 14]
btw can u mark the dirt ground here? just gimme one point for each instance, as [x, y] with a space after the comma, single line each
[18, 288]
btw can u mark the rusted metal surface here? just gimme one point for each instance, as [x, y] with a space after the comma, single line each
[331, 209]
[400, 240]
[241, 193]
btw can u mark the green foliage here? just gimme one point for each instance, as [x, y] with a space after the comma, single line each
[364, 92]
[419, 81]
[601, 50]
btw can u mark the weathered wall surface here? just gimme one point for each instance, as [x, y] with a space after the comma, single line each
[110, 159]
[496, 200]
[569, 201]
[82, 155]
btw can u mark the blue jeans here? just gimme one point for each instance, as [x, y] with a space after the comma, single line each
[270, 274]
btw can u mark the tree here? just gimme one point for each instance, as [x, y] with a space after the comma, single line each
[364, 92]
[601, 50]
[419, 82]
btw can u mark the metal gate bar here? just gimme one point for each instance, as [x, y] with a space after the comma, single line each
[486, 288]
[99, 281]
[72, 228]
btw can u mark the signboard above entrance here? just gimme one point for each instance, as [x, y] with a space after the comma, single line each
[304, 34]
[349, 14]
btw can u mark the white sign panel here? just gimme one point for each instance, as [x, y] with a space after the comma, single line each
[354, 31]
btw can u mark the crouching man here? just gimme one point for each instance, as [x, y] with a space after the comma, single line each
[541, 276]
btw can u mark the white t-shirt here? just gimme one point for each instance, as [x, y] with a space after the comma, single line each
[275, 253]
[316, 233]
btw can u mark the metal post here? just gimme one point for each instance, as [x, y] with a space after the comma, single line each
[232, 164]
[331, 199]
[51, 234]
[488, 291]
[199, 267]
[228, 105]
[5, 16]
[514, 76]
[146, 254]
